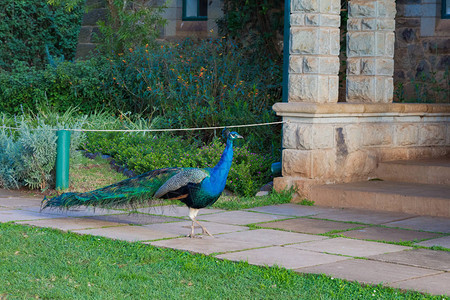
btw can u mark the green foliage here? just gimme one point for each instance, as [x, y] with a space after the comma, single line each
[11, 165]
[306, 202]
[28, 26]
[59, 88]
[236, 203]
[184, 85]
[28, 155]
[248, 173]
[198, 85]
[129, 24]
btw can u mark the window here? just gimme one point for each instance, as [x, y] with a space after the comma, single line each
[445, 9]
[195, 10]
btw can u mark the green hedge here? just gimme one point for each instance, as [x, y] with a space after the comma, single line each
[67, 85]
[28, 26]
[140, 153]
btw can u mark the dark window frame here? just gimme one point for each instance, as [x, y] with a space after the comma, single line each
[196, 18]
[445, 14]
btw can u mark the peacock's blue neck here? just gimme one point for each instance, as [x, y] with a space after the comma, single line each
[218, 176]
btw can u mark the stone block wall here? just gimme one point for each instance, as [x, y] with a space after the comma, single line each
[314, 51]
[422, 51]
[335, 143]
[370, 51]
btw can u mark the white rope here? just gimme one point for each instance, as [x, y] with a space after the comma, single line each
[154, 130]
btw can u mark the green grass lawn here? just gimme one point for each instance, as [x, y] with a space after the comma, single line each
[46, 263]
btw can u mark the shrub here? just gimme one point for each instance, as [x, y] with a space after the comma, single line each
[129, 24]
[11, 165]
[28, 156]
[27, 27]
[248, 172]
[67, 85]
[197, 85]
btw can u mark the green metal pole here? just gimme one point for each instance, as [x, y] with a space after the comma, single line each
[286, 48]
[62, 159]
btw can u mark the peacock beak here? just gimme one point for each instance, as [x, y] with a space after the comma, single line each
[239, 136]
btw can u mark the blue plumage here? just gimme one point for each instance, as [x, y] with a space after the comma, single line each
[195, 187]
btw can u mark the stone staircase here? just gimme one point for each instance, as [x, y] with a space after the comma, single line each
[420, 187]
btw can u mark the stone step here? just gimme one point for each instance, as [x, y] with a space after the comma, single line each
[411, 198]
[428, 171]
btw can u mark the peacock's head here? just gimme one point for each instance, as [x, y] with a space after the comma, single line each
[231, 135]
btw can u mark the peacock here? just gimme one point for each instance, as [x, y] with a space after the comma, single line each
[196, 187]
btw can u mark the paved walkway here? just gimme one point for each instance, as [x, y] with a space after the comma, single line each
[287, 235]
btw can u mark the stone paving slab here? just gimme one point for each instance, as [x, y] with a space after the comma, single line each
[12, 193]
[442, 241]
[206, 245]
[20, 202]
[424, 258]
[290, 209]
[240, 217]
[309, 225]
[435, 284]
[184, 227]
[368, 271]
[78, 212]
[135, 218]
[67, 224]
[426, 223]
[288, 258]
[349, 247]
[128, 233]
[176, 211]
[362, 216]
[22, 215]
[389, 234]
[270, 237]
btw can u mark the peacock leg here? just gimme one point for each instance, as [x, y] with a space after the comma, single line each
[192, 215]
[203, 228]
[192, 235]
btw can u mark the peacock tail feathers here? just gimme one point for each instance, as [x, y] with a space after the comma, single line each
[130, 192]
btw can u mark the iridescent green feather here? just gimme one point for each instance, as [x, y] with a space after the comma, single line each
[129, 192]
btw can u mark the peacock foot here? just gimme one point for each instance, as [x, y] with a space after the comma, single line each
[205, 231]
[193, 236]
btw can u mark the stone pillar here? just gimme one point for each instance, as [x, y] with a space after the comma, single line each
[314, 51]
[370, 51]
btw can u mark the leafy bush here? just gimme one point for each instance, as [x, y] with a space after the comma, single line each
[197, 85]
[67, 85]
[248, 173]
[28, 155]
[11, 165]
[130, 24]
[27, 27]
